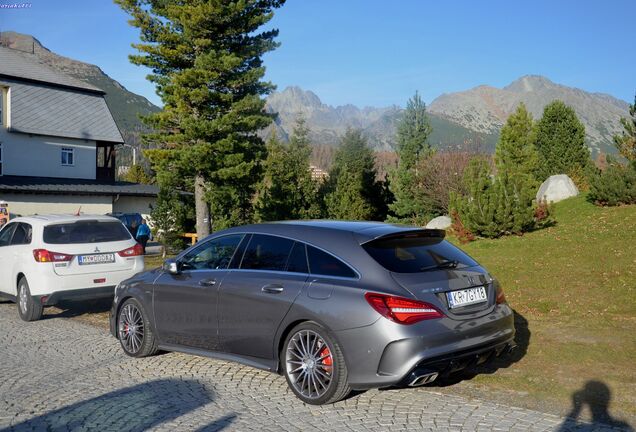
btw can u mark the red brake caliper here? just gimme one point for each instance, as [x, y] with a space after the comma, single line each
[327, 362]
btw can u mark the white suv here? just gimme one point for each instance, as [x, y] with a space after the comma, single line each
[45, 259]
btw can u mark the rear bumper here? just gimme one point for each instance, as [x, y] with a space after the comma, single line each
[76, 295]
[385, 354]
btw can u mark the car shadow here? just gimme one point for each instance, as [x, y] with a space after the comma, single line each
[137, 408]
[596, 395]
[70, 309]
[522, 339]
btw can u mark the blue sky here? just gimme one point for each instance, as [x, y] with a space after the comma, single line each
[378, 53]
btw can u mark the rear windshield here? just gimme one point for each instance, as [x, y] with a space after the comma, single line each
[415, 254]
[85, 232]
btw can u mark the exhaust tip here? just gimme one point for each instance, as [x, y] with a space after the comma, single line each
[423, 379]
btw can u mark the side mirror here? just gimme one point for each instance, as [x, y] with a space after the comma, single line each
[171, 266]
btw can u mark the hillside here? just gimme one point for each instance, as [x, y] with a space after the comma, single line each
[573, 289]
[327, 123]
[473, 116]
[485, 109]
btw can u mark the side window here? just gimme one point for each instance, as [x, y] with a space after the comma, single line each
[321, 263]
[298, 259]
[6, 233]
[22, 234]
[267, 253]
[213, 254]
[68, 156]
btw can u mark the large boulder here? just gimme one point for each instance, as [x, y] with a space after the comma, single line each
[557, 188]
[440, 222]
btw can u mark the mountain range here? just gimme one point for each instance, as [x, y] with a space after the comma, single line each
[472, 116]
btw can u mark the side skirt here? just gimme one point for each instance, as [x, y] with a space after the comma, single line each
[9, 297]
[268, 365]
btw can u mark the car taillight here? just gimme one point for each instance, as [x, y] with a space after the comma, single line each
[501, 297]
[136, 250]
[43, 255]
[402, 310]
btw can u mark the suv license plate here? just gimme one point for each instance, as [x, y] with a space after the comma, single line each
[96, 259]
[466, 297]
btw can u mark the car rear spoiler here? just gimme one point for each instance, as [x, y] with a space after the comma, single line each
[410, 233]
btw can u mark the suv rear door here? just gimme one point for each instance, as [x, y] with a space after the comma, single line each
[94, 244]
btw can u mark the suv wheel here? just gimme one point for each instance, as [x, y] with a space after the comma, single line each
[134, 330]
[28, 309]
[314, 365]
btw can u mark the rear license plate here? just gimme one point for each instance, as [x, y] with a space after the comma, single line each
[466, 297]
[96, 259]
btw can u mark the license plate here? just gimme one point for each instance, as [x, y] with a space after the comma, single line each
[466, 297]
[96, 259]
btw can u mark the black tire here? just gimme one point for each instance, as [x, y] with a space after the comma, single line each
[134, 330]
[316, 368]
[28, 309]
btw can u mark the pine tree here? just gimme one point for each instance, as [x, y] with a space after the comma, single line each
[494, 206]
[352, 191]
[626, 142]
[205, 58]
[413, 131]
[287, 190]
[560, 141]
[516, 155]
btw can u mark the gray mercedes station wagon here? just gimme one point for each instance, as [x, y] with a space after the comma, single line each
[334, 306]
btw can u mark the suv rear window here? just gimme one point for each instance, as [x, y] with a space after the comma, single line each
[85, 232]
[413, 254]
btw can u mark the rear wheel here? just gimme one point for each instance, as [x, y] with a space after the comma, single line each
[134, 330]
[28, 308]
[314, 365]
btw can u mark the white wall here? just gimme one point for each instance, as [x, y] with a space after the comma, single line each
[128, 204]
[40, 156]
[30, 204]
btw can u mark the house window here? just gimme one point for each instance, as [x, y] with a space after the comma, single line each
[68, 156]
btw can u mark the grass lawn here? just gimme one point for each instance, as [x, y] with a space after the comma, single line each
[574, 286]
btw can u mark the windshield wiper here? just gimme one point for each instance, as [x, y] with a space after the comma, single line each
[441, 265]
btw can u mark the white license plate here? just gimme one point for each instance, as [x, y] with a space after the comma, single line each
[96, 259]
[466, 297]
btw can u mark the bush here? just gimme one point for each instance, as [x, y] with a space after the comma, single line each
[614, 186]
[497, 206]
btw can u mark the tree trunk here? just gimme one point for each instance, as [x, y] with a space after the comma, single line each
[202, 208]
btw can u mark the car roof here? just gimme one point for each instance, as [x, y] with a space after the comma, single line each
[363, 231]
[48, 219]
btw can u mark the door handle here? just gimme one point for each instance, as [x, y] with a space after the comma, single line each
[273, 288]
[207, 282]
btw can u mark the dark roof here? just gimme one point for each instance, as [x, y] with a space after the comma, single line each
[48, 185]
[26, 66]
[46, 110]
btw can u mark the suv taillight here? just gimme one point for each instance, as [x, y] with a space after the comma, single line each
[43, 255]
[402, 310]
[136, 250]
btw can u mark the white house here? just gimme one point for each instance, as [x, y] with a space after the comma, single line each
[58, 142]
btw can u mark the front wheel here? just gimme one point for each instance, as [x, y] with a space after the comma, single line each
[134, 331]
[28, 308]
[314, 365]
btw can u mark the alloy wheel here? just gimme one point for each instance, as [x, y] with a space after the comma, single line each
[24, 299]
[309, 364]
[131, 328]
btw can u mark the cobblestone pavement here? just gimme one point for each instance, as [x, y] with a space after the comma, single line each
[58, 374]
